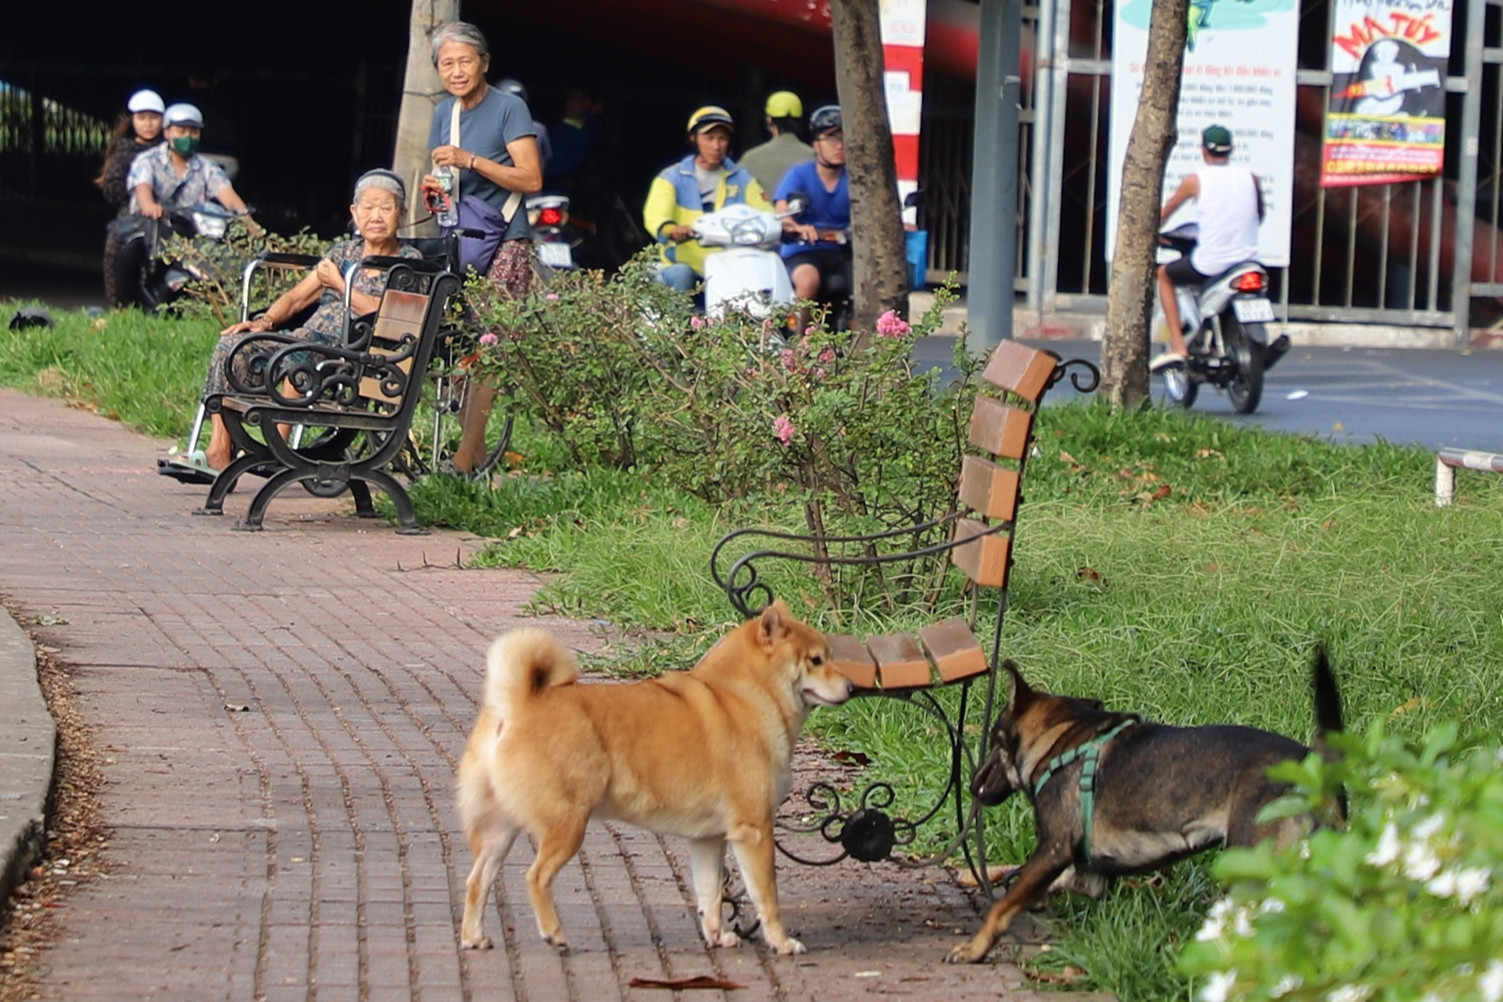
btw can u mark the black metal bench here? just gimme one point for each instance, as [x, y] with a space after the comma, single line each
[367, 388]
[914, 667]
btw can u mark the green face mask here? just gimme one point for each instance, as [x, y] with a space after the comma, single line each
[184, 145]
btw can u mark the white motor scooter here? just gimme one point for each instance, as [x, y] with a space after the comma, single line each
[749, 275]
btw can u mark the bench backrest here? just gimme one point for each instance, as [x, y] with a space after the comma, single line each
[382, 368]
[991, 485]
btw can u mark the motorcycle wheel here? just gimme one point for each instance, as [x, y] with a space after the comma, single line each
[1246, 387]
[1179, 387]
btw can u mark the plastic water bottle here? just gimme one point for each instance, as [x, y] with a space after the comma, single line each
[448, 208]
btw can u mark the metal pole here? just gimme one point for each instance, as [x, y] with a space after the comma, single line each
[1466, 175]
[1039, 212]
[994, 177]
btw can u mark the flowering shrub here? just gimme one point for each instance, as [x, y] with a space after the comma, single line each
[1405, 904]
[220, 264]
[845, 428]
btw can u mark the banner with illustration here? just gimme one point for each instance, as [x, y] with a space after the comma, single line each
[1386, 120]
[1241, 59]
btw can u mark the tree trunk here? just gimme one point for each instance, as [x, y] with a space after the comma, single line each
[880, 259]
[1124, 348]
[421, 92]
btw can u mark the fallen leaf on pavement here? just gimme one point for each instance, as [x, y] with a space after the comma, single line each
[680, 984]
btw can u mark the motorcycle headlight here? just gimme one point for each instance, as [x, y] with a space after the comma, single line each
[209, 226]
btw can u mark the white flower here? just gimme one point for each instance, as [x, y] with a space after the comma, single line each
[1420, 861]
[1271, 906]
[1349, 993]
[1215, 923]
[1490, 985]
[1463, 885]
[1429, 827]
[1218, 987]
[1287, 984]
[1242, 923]
[1387, 849]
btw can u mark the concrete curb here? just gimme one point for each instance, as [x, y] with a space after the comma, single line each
[28, 753]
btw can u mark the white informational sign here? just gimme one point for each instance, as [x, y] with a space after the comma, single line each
[1239, 72]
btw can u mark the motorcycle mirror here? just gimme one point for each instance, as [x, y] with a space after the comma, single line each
[797, 201]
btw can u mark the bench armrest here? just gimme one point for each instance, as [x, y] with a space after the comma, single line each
[326, 373]
[748, 593]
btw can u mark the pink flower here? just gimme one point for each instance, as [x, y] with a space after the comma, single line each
[783, 429]
[489, 337]
[891, 325]
[552, 297]
[790, 360]
[828, 355]
[696, 322]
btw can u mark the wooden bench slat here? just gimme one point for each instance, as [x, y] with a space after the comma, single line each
[954, 649]
[985, 560]
[853, 660]
[1000, 428]
[901, 662]
[1019, 369]
[988, 489]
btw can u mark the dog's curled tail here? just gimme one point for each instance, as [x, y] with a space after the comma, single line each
[524, 662]
[1328, 714]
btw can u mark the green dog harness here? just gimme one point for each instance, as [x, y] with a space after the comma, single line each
[1089, 753]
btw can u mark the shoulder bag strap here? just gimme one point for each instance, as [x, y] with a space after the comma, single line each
[514, 198]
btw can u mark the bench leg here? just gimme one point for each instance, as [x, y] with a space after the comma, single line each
[1445, 484]
[225, 482]
[257, 510]
[407, 523]
[361, 492]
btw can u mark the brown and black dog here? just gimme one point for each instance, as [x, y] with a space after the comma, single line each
[1115, 795]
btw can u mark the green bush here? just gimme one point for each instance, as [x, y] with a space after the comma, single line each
[1405, 904]
[838, 430]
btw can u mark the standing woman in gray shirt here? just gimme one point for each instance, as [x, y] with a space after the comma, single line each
[497, 155]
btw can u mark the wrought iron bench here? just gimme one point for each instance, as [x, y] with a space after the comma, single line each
[370, 386]
[977, 537]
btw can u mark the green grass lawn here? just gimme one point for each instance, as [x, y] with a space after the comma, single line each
[1166, 563]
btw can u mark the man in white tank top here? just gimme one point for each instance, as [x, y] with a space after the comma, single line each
[1229, 200]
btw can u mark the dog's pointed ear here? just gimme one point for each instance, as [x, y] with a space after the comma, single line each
[772, 625]
[1018, 692]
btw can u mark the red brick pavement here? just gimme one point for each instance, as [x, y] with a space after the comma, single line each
[280, 714]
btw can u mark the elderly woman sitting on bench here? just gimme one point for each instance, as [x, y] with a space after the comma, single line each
[379, 201]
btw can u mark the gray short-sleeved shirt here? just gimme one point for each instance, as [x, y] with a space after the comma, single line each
[203, 181]
[484, 130]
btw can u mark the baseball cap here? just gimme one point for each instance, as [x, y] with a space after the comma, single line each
[183, 114]
[1217, 139]
[145, 100]
[710, 114]
[783, 104]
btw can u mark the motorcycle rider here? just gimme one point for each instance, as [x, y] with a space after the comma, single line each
[772, 159]
[137, 131]
[818, 256]
[704, 181]
[1229, 202]
[170, 176]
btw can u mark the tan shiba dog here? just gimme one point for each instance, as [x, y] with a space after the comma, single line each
[704, 754]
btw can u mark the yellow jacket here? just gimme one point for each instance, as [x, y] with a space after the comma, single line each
[673, 200]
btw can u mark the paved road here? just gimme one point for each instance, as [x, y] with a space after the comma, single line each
[1419, 396]
[279, 715]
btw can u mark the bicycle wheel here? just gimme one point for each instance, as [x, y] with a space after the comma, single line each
[432, 444]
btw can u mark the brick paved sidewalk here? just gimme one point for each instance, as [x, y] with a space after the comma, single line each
[279, 716]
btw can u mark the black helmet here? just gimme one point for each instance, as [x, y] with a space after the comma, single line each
[824, 119]
[513, 87]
